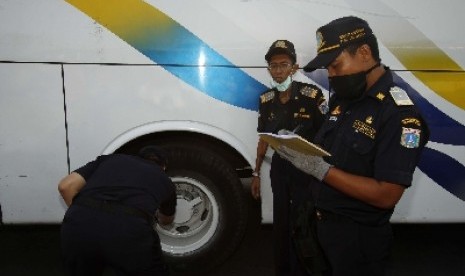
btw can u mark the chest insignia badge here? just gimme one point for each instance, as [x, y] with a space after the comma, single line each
[365, 129]
[369, 120]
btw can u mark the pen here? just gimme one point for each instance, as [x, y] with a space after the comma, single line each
[297, 128]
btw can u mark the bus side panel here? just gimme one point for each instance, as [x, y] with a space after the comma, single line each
[129, 97]
[32, 143]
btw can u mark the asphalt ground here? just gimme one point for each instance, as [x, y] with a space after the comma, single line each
[419, 249]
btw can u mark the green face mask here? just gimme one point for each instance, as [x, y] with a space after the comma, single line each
[281, 87]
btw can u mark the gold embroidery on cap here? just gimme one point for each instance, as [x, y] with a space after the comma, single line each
[358, 33]
[328, 48]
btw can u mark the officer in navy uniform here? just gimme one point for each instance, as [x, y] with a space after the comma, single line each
[292, 106]
[114, 202]
[375, 135]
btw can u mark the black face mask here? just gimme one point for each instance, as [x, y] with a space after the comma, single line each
[350, 87]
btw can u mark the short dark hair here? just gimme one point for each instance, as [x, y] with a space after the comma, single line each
[371, 42]
[155, 154]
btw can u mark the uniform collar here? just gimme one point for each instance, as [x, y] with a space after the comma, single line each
[292, 92]
[382, 85]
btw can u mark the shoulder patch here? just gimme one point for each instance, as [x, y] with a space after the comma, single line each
[266, 97]
[309, 91]
[410, 138]
[400, 96]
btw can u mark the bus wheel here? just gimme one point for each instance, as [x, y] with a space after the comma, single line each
[211, 212]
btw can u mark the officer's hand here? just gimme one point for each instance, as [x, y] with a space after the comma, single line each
[255, 187]
[313, 165]
[163, 219]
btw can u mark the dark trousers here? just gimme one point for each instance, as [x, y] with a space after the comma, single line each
[290, 187]
[93, 240]
[353, 249]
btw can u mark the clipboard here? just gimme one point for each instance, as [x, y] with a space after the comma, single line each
[293, 141]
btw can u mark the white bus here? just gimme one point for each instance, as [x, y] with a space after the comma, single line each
[80, 78]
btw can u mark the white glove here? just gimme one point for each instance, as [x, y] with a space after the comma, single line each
[313, 165]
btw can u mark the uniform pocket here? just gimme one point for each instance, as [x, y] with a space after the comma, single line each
[359, 143]
[357, 154]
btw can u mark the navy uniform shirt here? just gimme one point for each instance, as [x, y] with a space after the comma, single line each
[379, 136]
[132, 180]
[303, 110]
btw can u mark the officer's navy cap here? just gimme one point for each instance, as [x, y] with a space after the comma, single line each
[281, 47]
[333, 37]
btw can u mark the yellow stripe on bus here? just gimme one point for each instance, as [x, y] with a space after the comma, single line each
[449, 85]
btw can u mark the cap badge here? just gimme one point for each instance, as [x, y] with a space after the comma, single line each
[280, 44]
[319, 40]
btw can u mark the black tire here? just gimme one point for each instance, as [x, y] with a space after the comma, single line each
[211, 213]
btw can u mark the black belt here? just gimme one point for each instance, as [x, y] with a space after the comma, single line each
[113, 207]
[323, 215]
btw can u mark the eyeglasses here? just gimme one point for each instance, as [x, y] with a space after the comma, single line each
[281, 66]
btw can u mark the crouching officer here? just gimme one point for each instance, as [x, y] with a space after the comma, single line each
[113, 203]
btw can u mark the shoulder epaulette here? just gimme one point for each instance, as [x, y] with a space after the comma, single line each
[268, 96]
[309, 91]
[400, 96]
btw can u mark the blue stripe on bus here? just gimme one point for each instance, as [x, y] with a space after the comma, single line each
[444, 170]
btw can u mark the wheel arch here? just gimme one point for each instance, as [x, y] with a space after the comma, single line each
[224, 143]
